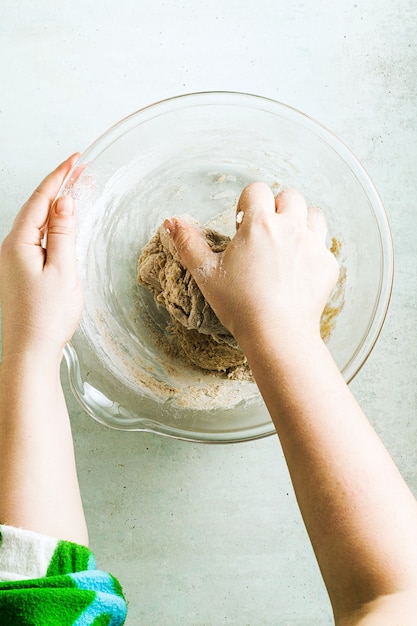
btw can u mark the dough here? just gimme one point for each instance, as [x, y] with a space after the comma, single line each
[206, 352]
[200, 334]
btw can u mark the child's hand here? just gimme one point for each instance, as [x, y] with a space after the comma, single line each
[276, 274]
[40, 294]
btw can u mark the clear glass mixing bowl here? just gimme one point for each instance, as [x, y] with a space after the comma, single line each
[194, 154]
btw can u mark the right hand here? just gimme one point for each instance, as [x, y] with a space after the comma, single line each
[275, 275]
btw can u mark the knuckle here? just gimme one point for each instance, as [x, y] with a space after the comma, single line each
[182, 239]
[6, 246]
[60, 229]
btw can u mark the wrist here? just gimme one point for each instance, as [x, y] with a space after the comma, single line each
[41, 346]
[283, 340]
[42, 358]
[286, 364]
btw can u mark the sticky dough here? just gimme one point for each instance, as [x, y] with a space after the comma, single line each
[200, 334]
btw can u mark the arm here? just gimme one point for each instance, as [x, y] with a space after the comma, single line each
[358, 511]
[41, 303]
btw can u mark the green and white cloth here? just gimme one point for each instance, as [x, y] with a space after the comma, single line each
[49, 582]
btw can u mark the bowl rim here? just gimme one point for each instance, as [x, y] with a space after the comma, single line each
[259, 102]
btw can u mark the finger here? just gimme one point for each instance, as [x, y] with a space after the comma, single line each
[292, 203]
[317, 222]
[193, 249]
[33, 216]
[75, 175]
[256, 202]
[60, 247]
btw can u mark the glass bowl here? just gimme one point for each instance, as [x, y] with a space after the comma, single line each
[194, 154]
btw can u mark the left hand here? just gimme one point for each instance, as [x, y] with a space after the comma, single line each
[40, 293]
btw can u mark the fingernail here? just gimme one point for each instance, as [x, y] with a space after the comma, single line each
[170, 225]
[239, 217]
[64, 206]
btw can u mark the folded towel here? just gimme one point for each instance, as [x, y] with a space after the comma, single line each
[49, 582]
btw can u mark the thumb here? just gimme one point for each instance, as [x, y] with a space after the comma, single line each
[194, 251]
[60, 246]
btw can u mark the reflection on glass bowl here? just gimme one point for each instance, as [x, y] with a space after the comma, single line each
[194, 154]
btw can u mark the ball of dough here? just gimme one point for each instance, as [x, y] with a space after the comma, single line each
[201, 335]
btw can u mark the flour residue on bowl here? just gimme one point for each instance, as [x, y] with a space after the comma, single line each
[190, 386]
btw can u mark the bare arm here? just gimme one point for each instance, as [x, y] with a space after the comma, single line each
[359, 513]
[269, 288]
[41, 303]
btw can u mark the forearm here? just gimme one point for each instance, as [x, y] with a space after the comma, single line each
[269, 288]
[360, 515]
[36, 451]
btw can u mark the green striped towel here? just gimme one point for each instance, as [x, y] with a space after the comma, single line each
[49, 582]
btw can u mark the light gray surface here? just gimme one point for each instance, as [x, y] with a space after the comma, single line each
[209, 534]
